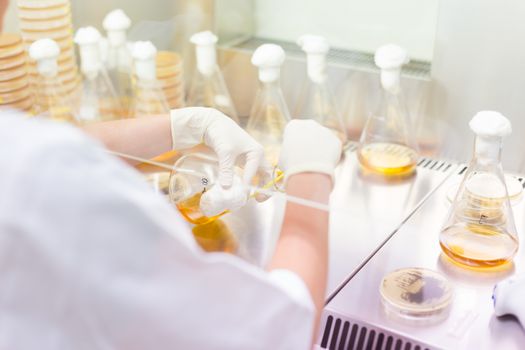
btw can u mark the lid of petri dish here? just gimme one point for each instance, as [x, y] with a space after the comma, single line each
[41, 4]
[14, 73]
[44, 13]
[9, 39]
[173, 92]
[13, 96]
[56, 34]
[24, 104]
[14, 84]
[416, 294]
[168, 58]
[45, 24]
[12, 62]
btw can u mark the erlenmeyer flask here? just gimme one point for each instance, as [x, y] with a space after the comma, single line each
[208, 88]
[51, 98]
[386, 146]
[97, 100]
[480, 230]
[196, 173]
[269, 113]
[149, 99]
[119, 62]
[316, 101]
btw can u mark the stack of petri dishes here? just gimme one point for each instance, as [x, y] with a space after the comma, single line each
[170, 77]
[51, 19]
[15, 91]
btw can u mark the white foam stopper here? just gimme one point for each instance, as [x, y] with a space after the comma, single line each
[144, 54]
[390, 58]
[490, 127]
[116, 23]
[218, 199]
[205, 52]
[45, 52]
[88, 41]
[268, 58]
[316, 47]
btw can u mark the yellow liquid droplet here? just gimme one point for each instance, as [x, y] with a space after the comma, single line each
[388, 159]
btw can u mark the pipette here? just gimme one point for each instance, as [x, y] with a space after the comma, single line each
[254, 190]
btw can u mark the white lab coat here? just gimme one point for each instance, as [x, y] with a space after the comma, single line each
[91, 258]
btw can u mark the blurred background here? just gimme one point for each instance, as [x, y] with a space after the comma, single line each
[466, 55]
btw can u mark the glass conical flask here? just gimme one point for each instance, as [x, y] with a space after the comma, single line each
[316, 101]
[119, 61]
[208, 88]
[51, 98]
[480, 230]
[387, 147]
[97, 100]
[148, 97]
[269, 113]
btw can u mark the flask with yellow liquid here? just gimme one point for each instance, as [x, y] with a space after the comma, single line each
[480, 230]
[387, 147]
[52, 99]
[193, 175]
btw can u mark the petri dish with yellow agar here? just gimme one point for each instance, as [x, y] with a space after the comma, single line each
[416, 295]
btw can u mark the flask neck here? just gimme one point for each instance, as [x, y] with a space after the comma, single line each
[206, 56]
[316, 67]
[269, 75]
[48, 67]
[487, 150]
[390, 80]
[117, 38]
[146, 69]
[273, 85]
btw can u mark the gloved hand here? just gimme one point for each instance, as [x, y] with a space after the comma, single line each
[309, 147]
[195, 125]
[508, 298]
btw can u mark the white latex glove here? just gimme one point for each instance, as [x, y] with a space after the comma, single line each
[195, 125]
[508, 298]
[309, 147]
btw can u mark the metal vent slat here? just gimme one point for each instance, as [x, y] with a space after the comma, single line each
[344, 335]
[340, 334]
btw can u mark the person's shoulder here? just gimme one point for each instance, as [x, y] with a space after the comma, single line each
[23, 138]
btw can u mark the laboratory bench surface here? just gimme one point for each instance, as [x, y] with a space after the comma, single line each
[378, 228]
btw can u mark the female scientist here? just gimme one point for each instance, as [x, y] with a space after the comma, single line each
[91, 258]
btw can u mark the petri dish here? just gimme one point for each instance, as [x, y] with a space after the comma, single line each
[10, 51]
[12, 62]
[168, 58]
[44, 13]
[416, 295]
[24, 104]
[41, 4]
[166, 83]
[7, 75]
[56, 34]
[15, 84]
[45, 24]
[8, 40]
[13, 96]
[173, 92]
[167, 72]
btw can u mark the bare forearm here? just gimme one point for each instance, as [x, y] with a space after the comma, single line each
[141, 137]
[303, 244]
